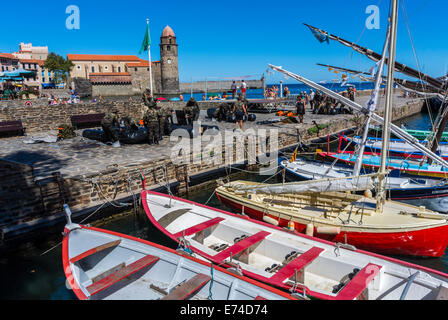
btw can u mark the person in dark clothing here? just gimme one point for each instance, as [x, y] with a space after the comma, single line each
[192, 111]
[300, 105]
[222, 112]
[151, 122]
[130, 123]
[240, 109]
[108, 124]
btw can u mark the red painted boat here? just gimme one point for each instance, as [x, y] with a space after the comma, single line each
[282, 258]
[401, 229]
[104, 265]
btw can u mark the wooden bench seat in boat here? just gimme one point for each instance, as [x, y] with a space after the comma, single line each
[188, 288]
[118, 275]
[298, 264]
[241, 246]
[199, 227]
[95, 250]
[356, 287]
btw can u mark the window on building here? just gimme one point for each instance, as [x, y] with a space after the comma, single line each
[119, 69]
[93, 68]
[168, 48]
[136, 69]
[78, 67]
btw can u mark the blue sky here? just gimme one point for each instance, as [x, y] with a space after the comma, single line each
[235, 38]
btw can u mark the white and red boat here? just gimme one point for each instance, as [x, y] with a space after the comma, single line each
[288, 260]
[399, 229]
[104, 265]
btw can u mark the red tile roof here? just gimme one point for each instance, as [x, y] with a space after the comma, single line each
[97, 57]
[39, 62]
[8, 56]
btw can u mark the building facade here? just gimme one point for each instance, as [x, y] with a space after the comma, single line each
[8, 62]
[116, 70]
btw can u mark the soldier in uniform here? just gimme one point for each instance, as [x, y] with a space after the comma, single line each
[130, 123]
[108, 124]
[151, 122]
[240, 109]
[165, 121]
[192, 111]
[222, 112]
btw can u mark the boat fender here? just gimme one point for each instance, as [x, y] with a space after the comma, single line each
[368, 194]
[328, 230]
[291, 225]
[310, 229]
[270, 220]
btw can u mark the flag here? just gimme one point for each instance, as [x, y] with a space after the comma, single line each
[319, 36]
[294, 155]
[146, 41]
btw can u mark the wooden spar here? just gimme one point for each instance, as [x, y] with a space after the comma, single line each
[382, 187]
[395, 129]
[437, 84]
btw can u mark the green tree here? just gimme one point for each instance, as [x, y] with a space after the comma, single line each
[59, 66]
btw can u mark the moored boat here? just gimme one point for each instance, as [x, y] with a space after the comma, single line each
[430, 193]
[399, 229]
[398, 147]
[104, 265]
[372, 162]
[287, 259]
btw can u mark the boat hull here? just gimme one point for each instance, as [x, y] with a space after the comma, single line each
[432, 198]
[422, 243]
[415, 154]
[404, 169]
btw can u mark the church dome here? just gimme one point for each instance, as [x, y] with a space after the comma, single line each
[168, 32]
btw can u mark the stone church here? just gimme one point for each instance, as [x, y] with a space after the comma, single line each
[129, 75]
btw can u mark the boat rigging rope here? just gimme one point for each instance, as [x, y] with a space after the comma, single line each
[416, 61]
[210, 294]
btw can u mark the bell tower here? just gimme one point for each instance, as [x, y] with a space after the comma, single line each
[169, 62]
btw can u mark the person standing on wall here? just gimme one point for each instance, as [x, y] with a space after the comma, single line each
[243, 88]
[239, 110]
[233, 88]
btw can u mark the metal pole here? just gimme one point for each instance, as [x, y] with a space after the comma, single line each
[381, 199]
[150, 67]
[206, 88]
[281, 89]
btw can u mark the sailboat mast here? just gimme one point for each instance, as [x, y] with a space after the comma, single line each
[381, 199]
[371, 105]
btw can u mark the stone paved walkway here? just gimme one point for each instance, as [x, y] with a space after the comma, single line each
[82, 156]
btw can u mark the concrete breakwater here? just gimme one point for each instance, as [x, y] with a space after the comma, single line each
[218, 86]
[36, 180]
